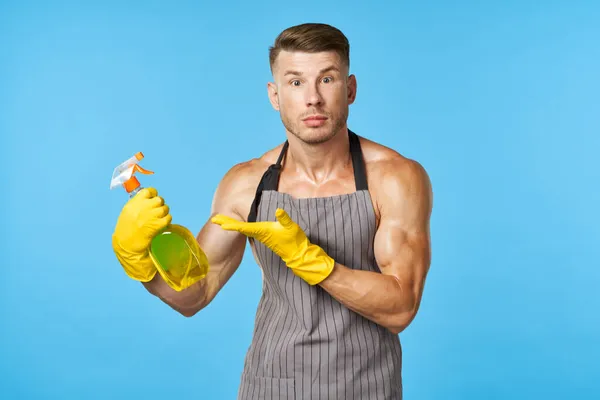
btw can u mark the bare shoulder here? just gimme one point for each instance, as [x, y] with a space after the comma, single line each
[236, 190]
[397, 183]
[387, 166]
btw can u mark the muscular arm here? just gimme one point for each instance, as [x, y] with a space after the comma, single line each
[402, 251]
[224, 251]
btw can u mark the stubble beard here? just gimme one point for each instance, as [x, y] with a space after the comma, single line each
[316, 136]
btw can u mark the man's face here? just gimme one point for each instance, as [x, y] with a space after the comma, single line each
[312, 92]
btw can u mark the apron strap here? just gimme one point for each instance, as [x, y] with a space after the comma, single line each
[358, 162]
[269, 181]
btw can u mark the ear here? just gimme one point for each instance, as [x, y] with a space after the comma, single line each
[273, 96]
[351, 89]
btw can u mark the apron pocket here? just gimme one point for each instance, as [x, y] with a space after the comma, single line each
[266, 388]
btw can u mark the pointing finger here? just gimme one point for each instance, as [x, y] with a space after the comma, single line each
[220, 219]
[243, 228]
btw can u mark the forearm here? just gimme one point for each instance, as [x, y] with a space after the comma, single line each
[380, 298]
[188, 301]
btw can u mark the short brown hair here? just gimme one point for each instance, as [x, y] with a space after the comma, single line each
[311, 38]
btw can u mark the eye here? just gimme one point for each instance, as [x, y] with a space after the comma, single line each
[295, 82]
[327, 79]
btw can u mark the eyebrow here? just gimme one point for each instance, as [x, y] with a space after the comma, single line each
[298, 73]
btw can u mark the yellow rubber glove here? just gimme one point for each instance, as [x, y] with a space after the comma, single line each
[141, 219]
[286, 239]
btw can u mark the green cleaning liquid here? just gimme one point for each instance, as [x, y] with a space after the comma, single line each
[176, 252]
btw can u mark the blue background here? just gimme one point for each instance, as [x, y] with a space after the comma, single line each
[499, 102]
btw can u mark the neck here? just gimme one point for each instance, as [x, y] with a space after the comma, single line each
[318, 162]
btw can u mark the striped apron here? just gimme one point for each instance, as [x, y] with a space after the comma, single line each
[306, 344]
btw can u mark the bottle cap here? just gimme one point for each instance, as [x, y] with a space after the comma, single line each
[132, 183]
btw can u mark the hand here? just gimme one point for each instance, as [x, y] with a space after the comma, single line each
[286, 239]
[141, 219]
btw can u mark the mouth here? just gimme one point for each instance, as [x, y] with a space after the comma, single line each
[315, 118]
[315, 121]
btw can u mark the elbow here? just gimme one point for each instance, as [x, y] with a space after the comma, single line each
[405, 313]
[187, 303]
[399, 322]
[396, 329]
[185, 308]
[188, 313]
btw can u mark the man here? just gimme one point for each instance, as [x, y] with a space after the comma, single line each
[338, 224]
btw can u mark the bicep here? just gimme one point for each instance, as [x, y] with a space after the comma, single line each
[402, 253]
[224, 249]
[402, 241]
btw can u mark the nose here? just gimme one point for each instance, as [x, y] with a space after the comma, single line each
[313, 96]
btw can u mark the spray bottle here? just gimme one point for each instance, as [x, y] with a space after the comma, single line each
[175, 251]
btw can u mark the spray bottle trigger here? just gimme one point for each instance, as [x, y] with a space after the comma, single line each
[132, 183]
[136, 167]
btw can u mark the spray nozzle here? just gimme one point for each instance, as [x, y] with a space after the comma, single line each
[123, 174]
